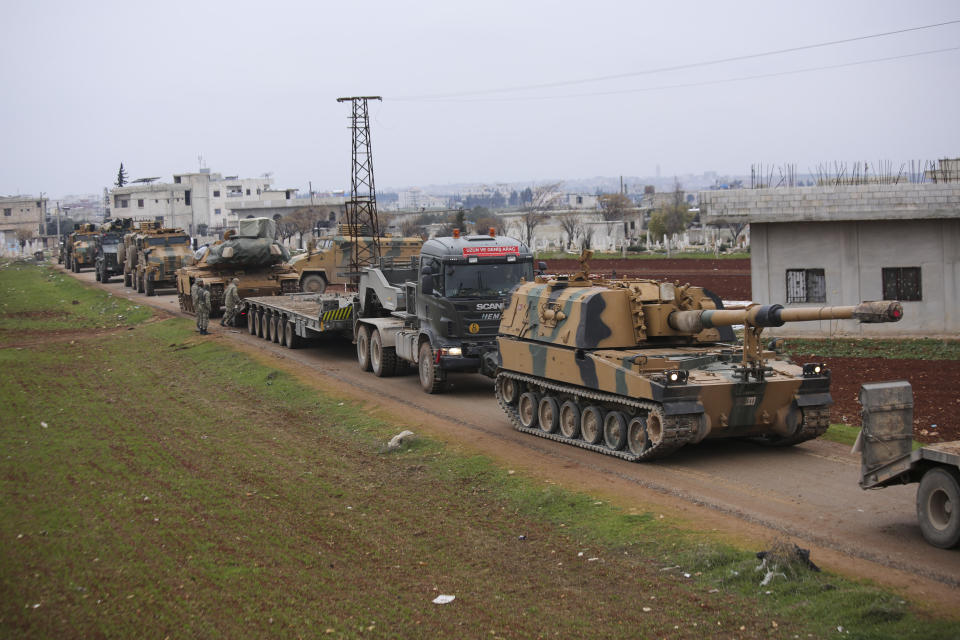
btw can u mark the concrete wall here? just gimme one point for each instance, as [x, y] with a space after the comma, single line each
[852, 254]
[20, 212]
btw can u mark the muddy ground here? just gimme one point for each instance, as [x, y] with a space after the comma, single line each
[729, 279]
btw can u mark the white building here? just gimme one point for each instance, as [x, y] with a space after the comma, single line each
[23, 214]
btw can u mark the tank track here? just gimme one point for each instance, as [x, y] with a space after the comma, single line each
[677, 430]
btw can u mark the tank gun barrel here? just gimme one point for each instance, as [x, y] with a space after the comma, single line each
[774, 315]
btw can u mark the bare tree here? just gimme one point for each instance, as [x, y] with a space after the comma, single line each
[572, 227]
[673, 217]
[23, 237]
[614, 206]
[544, 199]
[300, 221]
[588, 231]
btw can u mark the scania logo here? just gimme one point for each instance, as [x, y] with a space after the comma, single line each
[490, 306]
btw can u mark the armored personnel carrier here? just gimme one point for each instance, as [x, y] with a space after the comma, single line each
[251, 254]
[107, 262]
[160, 252]
[638, 368]
[81, 247]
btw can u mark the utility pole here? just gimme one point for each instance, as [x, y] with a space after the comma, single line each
[362, 206]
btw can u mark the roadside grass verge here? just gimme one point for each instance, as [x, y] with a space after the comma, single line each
[912, 349]
[156, 483]
[37, 298]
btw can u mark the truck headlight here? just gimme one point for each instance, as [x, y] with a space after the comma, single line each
[453, 351]
[676, 376]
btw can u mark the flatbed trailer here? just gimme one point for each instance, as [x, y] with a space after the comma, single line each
[886, 445]
[291, 319]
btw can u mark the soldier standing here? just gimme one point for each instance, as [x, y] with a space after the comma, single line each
[231, 301]
[195, 297]
[203, 309]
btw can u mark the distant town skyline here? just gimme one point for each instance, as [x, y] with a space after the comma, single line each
[488, 93]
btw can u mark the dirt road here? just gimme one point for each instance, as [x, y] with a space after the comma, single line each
[738, 489]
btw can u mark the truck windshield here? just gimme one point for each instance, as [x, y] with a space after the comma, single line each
[171, 241]
[484, 280]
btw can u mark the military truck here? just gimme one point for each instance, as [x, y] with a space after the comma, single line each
[888, 459]
[160, 252]
[637, 368]
[327, 260]
[251, 254]
[81, 247]
[107, 263]
[439, 311]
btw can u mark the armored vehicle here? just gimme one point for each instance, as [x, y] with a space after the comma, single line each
[638, 368]
[251, 254]
[107, 262]
[160, 252]
[81, 247]
[327, 261]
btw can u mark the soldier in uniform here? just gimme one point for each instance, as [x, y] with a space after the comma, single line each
[231, 301]
[195, 297]
[203, 308]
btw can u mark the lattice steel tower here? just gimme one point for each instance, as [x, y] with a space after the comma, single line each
[362, 217]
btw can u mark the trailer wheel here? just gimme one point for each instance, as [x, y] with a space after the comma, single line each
[383, 360]
[432, 376]
[291, 339]
[938, 507]
[251, 323]
[363, 347]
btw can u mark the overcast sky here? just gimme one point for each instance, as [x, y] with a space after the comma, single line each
[252, 87]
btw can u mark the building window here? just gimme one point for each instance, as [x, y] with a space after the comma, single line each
[248, 191]
[806, 285]
[186, 197]
[176, 179]
[140, 203]
[216, 211]
[902, 283]
[124, 204]
[216, 193]
[258, 191]
[8, 212]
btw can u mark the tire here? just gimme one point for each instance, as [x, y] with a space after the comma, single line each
[615, 430]
[570, 420]
[141, 288]
[313, 283]
[274, 326]
[290, 338]
[508, 389]
[938, 507]
[96, 274]
[280, 333]
[258, 323]
[637, 435]
[548, 414]
[128, 282]
[251, 321]
[383, 360]
[363, 347]
[148, 286]
[432, 377]
[591, 424]
[527, 409]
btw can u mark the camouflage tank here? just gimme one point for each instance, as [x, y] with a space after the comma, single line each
[251, 254]
[638, 368]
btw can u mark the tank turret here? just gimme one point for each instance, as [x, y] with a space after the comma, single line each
[637, 368]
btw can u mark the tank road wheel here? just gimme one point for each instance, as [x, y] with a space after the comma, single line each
[251, 320]
[654, 429]
[615, 430]
[637, 435]
[148, 286]
[313, 283]
[548, 414]
[591, 424]
[938, 507]
[570, 420]
[383, 360]
[527, 409]
[290, 338]
[363, 347]
[508, 390]
[432, 376]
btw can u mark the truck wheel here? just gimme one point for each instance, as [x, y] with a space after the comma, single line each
[363, 347]
[313, 283]
[432, 376]
[148, 286]
[96, 274]
[383, 360]
[140, 286]
[105, 276]
[938, 507]
[128, 282]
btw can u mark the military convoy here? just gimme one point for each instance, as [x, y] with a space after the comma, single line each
[327, 261]
[108, 242]
[80, 249]
[638, 368]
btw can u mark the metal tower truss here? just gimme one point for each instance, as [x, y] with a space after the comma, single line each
[362, 220]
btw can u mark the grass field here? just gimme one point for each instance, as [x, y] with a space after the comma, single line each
[160, 484]
[688, 255]
[918, 349]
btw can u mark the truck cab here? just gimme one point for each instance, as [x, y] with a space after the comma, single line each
[442, 314]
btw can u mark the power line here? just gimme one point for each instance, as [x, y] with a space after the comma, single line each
[631, 74]
[698, 84]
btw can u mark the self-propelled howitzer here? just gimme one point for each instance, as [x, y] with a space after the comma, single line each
[638, 368]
